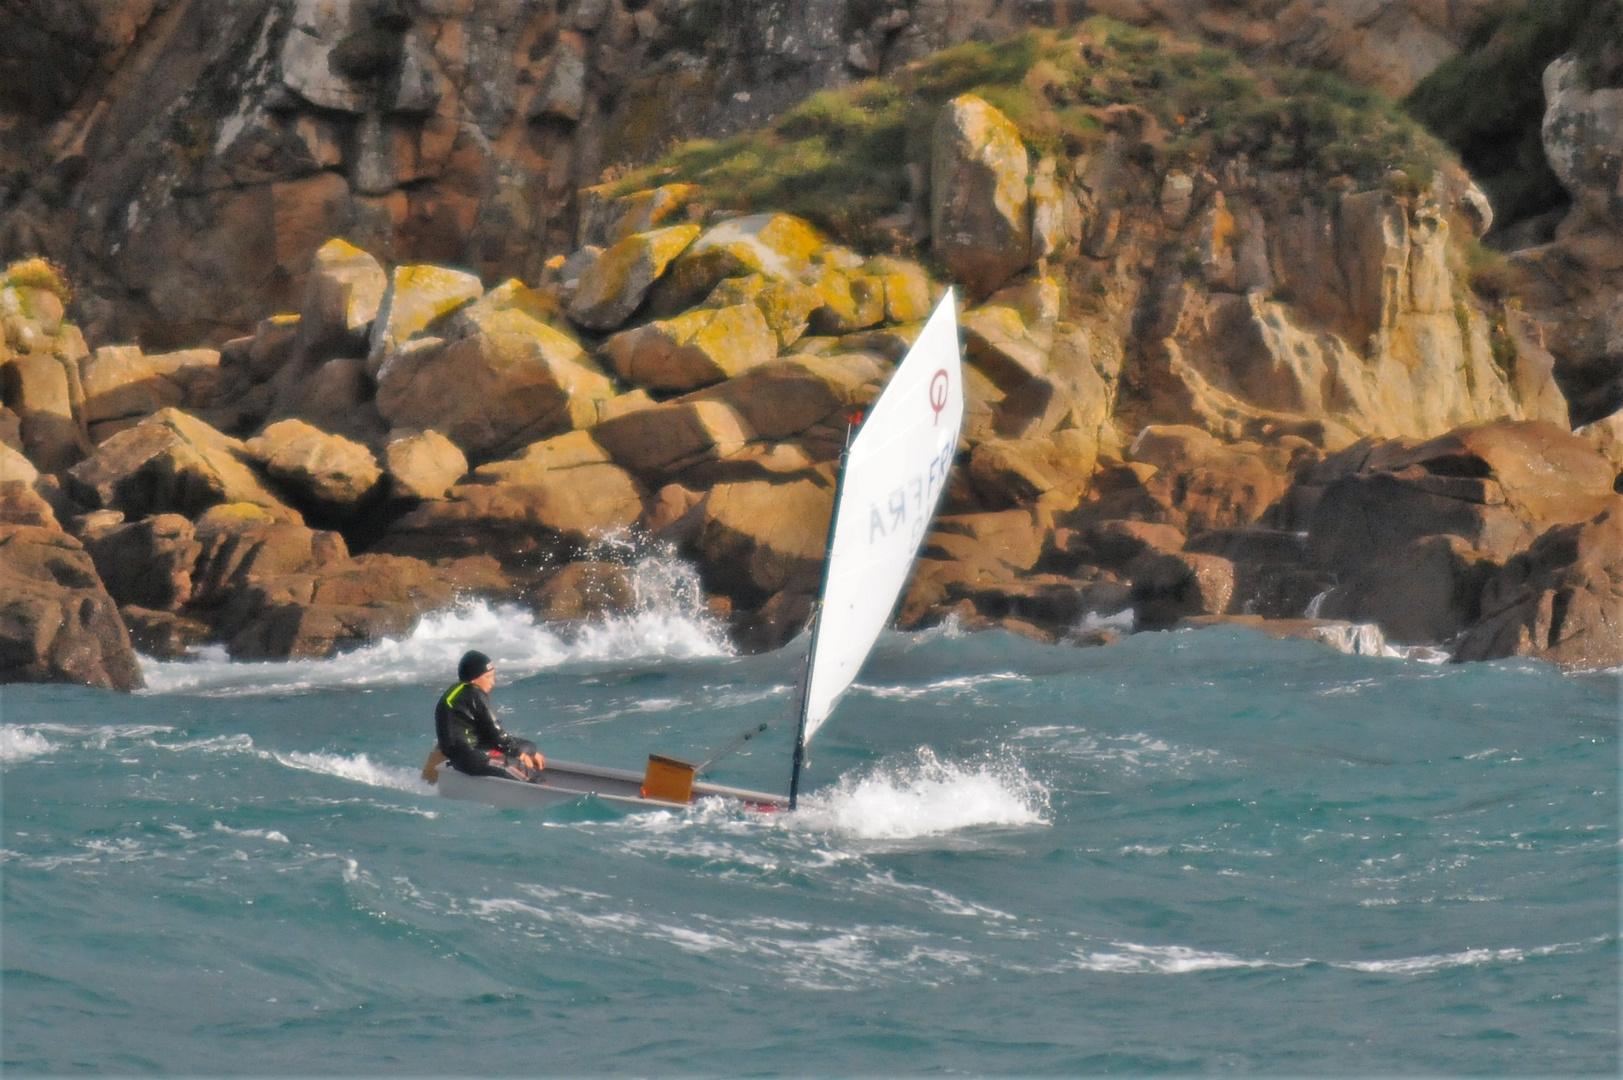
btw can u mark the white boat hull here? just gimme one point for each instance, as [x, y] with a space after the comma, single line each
[565, 782]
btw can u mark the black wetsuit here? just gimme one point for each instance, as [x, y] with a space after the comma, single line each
[473, 741]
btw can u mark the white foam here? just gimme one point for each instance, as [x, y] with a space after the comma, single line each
[20, 744]
[263, 834]
[669, 619]
[358, 768]
[956, 684]
[925, 797]
[1134, 959]
[1366, 639]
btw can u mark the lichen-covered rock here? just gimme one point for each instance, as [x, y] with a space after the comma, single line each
[57, 623]
[980, 219]
[328, 473]
[692, 350]
[605, 220]
[342, 295]
[416, 296]
[615, 284]
[423, 466]
[779, 246]
[787, 306]
[171, 463]
[510, 380]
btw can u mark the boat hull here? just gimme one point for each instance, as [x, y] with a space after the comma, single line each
[564, 782]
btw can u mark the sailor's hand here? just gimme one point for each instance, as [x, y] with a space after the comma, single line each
[535, 760]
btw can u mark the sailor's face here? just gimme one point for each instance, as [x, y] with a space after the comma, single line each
[487, 681]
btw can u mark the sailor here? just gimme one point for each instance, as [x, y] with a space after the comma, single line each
[469, 736]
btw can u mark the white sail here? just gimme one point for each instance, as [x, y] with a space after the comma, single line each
[894, 473]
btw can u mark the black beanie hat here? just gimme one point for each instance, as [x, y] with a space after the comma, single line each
[473, 664]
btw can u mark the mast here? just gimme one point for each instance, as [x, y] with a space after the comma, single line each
[817, 625]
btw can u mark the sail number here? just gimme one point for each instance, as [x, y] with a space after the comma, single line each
[909, 505]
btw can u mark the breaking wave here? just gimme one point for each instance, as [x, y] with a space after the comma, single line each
[20, 744]
[923, 797]
[669, 619]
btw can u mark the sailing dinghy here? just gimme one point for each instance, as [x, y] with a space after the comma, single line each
[892, 475]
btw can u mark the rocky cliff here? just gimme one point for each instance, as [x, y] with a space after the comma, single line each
[156, 148]
[1230, 347]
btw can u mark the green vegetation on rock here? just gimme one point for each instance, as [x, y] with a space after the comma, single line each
[842, 158]
[1488, 101]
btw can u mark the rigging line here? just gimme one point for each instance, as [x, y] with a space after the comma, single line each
[733, 744]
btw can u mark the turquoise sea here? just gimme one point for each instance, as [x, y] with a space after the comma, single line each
[1187, 853]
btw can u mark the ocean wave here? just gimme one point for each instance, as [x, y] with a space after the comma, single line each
[20, 744]
[956, 684]
[669, 620]
[1131, 959]
[358, 768]
[923, 797]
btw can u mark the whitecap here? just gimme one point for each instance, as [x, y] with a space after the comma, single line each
[20, 744]
[1132, 959]
[263, 834]
[358, 768]
[923, 797]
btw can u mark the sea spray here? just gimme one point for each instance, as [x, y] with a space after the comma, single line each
[668, 619]
[923, 796]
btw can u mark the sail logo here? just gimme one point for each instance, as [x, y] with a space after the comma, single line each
[909, 506]
[938, 392]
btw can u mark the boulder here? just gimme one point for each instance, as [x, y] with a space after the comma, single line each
[1204, 484]
[584, 590]
[1498, 486]
[423, 466]
[606, 220]
[57, 623]
[329, 474]
[786, 397]
[616, 284]
[1422, 592]
[15, 468]
[149, 562]
[242, 544]
[1017, 472]
[555, 514]
[757, 538]
[170, 463]
[662, 441]
[779, 246]
[416, 297]
[910, 295]
[787, 306]
[342, 294]
[349, 604]
[850, 301]
[1169, 586]
[122, 384]
[692, 350]
[510, 380]
[339, 397]
[1561, 600]
[41, 390]
[980, 220]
